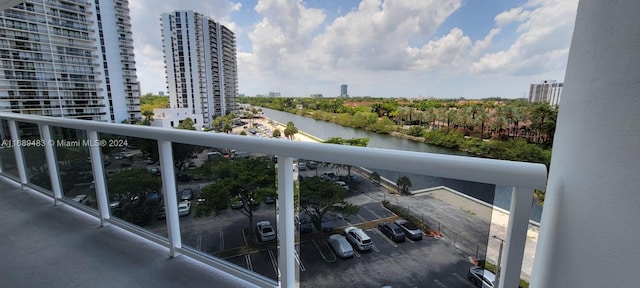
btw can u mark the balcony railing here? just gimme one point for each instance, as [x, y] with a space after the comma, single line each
[523, 177]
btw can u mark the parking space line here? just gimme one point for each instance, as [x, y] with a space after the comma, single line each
[199, 242]
[372, 213]
[356, 253]
[440, 283]
[464, 280]
[385, 238]
[221, 241]
[247, 259]
[361, 218]
[274, 263]
[295, 254]
[375, 248]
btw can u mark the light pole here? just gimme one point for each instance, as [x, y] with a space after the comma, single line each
[498, 268]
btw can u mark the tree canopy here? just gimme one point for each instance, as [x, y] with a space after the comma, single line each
[317, 197]
[247, 179]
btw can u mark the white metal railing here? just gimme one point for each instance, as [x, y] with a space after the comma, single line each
[523, 177]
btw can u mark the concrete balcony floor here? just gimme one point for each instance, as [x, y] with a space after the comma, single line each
[46, 246]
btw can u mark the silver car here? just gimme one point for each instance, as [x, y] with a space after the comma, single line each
[340, 245]
[481, 277]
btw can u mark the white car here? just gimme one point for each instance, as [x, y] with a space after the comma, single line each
[343, 185]
[481, 277]
[184, 208]
[340, 245]
[265, 231]
[358, 238]
[82, 199]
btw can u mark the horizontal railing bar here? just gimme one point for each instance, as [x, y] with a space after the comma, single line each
[491, 171]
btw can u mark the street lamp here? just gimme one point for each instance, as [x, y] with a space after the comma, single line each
[498, 268]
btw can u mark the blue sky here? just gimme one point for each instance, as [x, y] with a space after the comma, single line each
[381, 48]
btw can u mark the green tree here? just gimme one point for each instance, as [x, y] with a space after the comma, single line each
[246, 180]
[276, 133]
[187, 124]
[362, 142]
[403, 183]
[317, 197]
[290, 130]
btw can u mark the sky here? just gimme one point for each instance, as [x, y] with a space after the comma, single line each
[381, 48]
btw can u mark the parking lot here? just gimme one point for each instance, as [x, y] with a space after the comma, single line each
[430, 262]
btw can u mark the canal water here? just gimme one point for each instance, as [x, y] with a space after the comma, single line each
[499, 195]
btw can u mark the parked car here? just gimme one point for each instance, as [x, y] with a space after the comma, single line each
[312, 165]
[410, 230]
[184, 177]
[237, 205]
[329, 176]
[392, 230]
[265, 230]
[343, 185]
[304, 223]
[361, 240]
[269, 200]
[184, 208]
[82, 199]
[302, 166]
[186, 194]
[149, 161]
[340, 245]
[326, 224]
[481, 277]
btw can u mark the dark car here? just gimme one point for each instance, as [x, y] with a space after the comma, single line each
[184, 177]
[412, 231]
[392, 230]
[269, 200]
[304, 224]
[186, 194]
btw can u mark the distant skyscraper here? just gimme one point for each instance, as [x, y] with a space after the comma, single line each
[343, 90]
[547, 91]
[200, 58]
[71, 58]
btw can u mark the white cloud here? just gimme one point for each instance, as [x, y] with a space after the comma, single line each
[372, 47]
[542, 46]
[512, 15]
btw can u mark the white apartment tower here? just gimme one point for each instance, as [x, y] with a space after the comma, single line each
[546, 91]
[200, 59]
[71, 58]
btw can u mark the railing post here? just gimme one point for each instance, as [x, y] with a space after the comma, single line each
[286, 227]
[52, 163]
[17, 150]
[170, 197]
[98, 176]
[516, 239]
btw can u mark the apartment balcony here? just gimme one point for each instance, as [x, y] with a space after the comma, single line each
[67, 181]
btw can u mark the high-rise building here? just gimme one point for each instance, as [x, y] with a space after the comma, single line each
[546, 91]
[200, 59]
[71, 58]
[343, 90]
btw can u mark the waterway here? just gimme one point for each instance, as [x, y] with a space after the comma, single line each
[497, 195]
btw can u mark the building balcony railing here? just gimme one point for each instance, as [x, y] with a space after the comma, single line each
[61, 147]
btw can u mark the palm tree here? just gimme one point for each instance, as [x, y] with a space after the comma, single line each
[482, 117]
[290, 130]
[403, 183]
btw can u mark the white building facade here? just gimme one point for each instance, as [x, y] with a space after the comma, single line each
[71, 58]
[172, 117]
[546, 91]
[201, 64]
